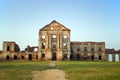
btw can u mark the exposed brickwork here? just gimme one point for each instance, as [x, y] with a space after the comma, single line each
[88, 51]
[54, 44]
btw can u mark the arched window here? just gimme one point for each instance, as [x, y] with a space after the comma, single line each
[52, 28]
[43, 36]
[65, 37]
[54, 36]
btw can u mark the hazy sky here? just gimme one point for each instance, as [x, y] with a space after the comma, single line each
[89, 20]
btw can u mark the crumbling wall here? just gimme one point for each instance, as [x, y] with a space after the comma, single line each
[88, 51]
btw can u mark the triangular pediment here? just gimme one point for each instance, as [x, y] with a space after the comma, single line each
[56, 26]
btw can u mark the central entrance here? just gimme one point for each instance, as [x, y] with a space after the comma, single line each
[54, 56]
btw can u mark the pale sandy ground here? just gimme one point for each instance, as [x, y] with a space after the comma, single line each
[50, 74]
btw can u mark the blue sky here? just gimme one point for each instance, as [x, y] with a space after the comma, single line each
[89, 20]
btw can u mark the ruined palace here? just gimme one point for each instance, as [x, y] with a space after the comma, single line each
[54, 44]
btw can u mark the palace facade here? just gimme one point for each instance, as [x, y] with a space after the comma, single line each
[54, 44]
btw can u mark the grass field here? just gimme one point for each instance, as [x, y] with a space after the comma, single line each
[75, 70]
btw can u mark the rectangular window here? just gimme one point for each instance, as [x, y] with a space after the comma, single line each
[65, 56]
[85, 48]
[8, 48]
[43, 45]
[99, 49]
[65, 45]
[92, 49]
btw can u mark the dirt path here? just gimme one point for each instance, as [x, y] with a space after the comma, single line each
[50, 74]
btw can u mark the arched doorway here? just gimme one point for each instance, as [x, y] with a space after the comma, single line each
[43, 56]
[15, 57]
[92, 57]
[109, 57]
[65, 57]
[22, 57]
[72, 54]
[7, 57]
[54, 56]
[85, 57]
[36, 57]
[78, 56]
[100, 57]
[30, 56]
[116, 57]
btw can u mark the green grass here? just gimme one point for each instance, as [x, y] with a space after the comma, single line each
[75, 70]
